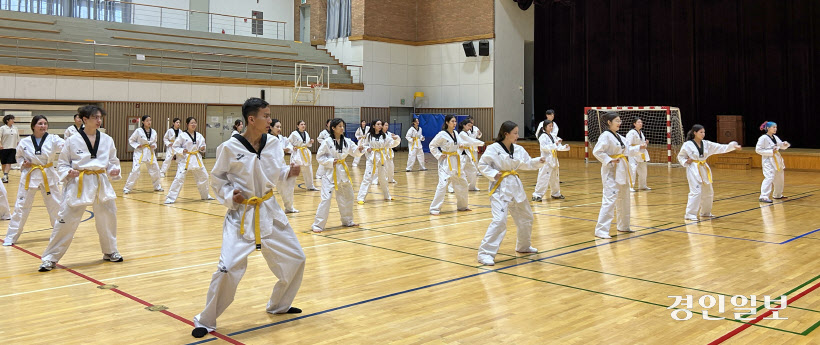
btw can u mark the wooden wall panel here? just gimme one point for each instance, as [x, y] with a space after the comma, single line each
[313, 116]
[115, 122]
[483, 118]
[370, 114]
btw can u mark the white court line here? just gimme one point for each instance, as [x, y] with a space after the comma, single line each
[52, 288]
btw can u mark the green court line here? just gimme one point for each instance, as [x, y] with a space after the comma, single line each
[629, 299]
[660, 283]
[785, 294]
[534, 279]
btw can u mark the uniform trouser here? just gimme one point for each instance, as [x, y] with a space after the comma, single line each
[460, 187]
[522, 216]
[470, 172]
[370, 177]
[416, 154]
[4, 203]
[200, 174]
[153, 170]
[344, 200]
[356, 160]
[285, 259]
[286, 192]
[547, 177]
[166, 163]
[69, 217]
[307, 174]
[615, 200]
[22, 208]
[700, 197]
[391, 169]
[772, 182]
[638, 170]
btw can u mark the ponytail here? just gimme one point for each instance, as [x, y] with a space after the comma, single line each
[691, 134]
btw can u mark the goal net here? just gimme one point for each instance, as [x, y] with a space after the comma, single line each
[661, 127]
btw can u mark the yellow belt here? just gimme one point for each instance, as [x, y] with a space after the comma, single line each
[415, 141]
[472, 154]
[450, 165]
[380, 151]
[82, 177]
[43, 171]
[148, 146]
[335, 184]
[305, 160]
[776, 163]
[188, 160]
[503, 175]
[708, 170]
[628, 174]
[254, 201]
[643, 156]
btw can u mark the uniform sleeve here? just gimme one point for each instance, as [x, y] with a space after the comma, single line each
[359, 133]
[19, 151]
[715, 149]
[409, 136]
[294, 139]
[540, 125]
[167, 138]
[466, 140]
[64, 163]
[353, 149]
[56, 149]
[683, 155]
[782, 145]
[761, 149]
[200, 142]
[222, 187]
[153, 141]
[600, 151]
[434, 146]
[66, 133]
[113, 162]
[325, 155]
[486, 166]
[529, 163]
[632, 150]
[134, 140]
[546, 145]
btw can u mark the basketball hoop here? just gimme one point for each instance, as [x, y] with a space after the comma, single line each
[313, 86]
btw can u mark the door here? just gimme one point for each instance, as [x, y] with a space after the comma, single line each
[400, 121]
[304, 23]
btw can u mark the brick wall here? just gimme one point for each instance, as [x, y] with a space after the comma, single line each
[394, 19]
[455, 18]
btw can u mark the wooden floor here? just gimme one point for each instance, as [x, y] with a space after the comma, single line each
[407, 277]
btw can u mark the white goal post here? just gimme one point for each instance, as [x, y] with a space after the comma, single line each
[661, 126]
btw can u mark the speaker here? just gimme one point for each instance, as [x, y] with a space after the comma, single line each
[484, 48]
[469, 49]
[262, 94]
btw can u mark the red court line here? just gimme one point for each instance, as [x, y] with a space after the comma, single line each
[132, 297]
[757, 319]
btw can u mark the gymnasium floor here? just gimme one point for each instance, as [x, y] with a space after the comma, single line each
[408, 277]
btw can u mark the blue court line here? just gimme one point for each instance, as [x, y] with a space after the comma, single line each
[803, 235]
[713, 235]
[486, 272]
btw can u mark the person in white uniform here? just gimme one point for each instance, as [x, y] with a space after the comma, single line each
[445, 147]
[86, 165]
[548, 174]
[768, 147]
[391, 154]
[144, 142]
[693, 154]
[238, 126]
[377, 143]
[414, 138]
[335, 176]
[550, 117]
[325, 133]
[612, 151]
[39, 153]
[469, 154]
[361, 132]
[302, 155]
[247, 168]
[75, 128]
[170, 136]
[188, 148]
[285, 188]
[500, 164]
[637, 164]
[9, 138]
